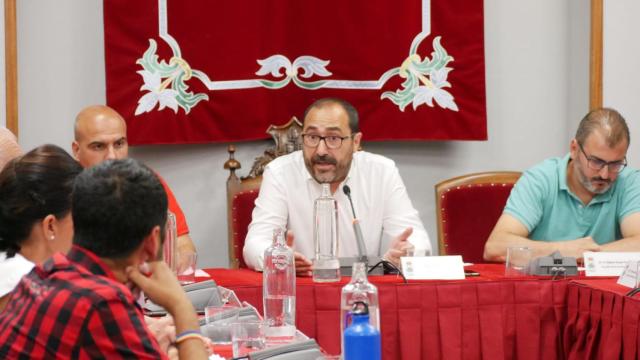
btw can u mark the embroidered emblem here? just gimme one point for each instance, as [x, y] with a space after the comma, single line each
[165, 85]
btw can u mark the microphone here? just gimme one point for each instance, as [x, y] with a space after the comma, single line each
[346, 264]
[362, 249]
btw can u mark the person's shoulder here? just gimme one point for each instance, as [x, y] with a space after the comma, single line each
[13, 268]
[549, 164]
[368, 159]
[285, 162]
[629, 177]
[547, 168]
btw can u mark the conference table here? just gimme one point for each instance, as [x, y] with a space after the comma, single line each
[488, 316]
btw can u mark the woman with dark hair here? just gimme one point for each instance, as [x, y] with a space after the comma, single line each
[35, 216]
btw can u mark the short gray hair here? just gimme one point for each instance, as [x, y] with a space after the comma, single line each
[609, 121]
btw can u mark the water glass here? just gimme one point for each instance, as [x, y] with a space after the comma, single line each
[186, 267]
[518, 259]
[218, 322]
[169, 249]
[409, 250]
[247, 336]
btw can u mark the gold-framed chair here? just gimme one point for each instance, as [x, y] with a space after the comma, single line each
[243, 191]
[467, 209]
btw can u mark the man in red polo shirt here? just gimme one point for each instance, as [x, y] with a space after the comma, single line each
[101, 134]
[82, 305]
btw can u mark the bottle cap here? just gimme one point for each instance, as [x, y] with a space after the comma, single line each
[360, 308]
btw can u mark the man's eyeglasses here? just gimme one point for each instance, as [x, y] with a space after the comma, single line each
[599, 164]
[332, 141]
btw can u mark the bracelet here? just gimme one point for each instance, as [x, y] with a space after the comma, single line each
[188, 334]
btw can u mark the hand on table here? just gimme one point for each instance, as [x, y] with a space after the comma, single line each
[576, 248]
[163, 330]
[303, 265]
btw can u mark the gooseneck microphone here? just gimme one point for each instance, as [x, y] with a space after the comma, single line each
[362, 249]
[379, 265]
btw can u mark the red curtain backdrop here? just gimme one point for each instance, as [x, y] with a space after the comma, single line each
[212, 71]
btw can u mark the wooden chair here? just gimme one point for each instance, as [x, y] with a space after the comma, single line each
[468, 208]
[242, 192]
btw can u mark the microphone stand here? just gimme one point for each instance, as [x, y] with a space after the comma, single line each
[375, 265]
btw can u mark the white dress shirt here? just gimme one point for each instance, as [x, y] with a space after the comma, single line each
[288, 191]
[12, 270]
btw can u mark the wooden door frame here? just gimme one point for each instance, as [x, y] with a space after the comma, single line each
[595, 58]
[11, 65]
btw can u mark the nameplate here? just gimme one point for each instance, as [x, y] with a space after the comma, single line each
[608, 263]
[433, 267]
[629, 277]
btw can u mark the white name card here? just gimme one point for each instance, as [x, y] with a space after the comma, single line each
[608, 263]
[629, 277]
[433, 267]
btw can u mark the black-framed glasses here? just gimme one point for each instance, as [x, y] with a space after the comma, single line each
[598, 164]
[332, 141]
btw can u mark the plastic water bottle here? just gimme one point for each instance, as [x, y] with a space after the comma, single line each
[169, 248]
[361, 340]
[326, 267]
[279, 290]
[359, 290]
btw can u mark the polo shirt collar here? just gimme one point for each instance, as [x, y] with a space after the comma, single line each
[562, 176]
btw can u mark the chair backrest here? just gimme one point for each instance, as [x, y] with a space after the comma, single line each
[468, 208]
[242, 192]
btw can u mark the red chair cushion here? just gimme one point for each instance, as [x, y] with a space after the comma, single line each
[469, 214]
[241, 208]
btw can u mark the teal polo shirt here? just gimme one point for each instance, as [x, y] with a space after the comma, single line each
[543, 203]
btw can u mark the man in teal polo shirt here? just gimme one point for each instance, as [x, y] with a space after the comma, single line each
[588, 200]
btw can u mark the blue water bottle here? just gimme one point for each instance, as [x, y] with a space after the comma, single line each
[361, 339]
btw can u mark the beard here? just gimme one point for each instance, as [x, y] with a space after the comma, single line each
[588, 182]
[336, 173]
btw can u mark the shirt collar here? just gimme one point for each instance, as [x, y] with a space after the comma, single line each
[86, 259]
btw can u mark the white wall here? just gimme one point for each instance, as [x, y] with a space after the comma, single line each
[537, 88]
[621, 57]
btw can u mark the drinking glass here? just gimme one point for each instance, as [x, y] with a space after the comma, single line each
[186, 267]
[247, 336]
[518, 259]
[218, 322]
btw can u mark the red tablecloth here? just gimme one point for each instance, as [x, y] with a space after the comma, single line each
[485, 317]
[601, 322]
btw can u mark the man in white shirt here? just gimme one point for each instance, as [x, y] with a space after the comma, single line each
[291, 183]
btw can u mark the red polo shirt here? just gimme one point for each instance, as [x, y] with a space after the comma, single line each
[174, 207]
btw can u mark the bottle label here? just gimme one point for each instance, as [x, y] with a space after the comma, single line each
[280, 261]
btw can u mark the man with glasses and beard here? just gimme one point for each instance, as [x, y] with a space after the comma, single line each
[291, 183]
[588, 200]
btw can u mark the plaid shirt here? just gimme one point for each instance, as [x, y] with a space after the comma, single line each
[73, 307]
